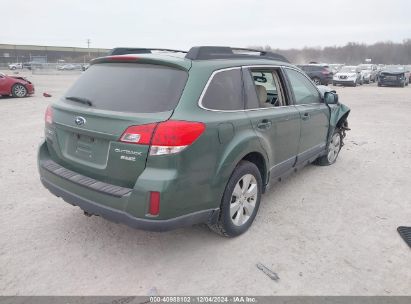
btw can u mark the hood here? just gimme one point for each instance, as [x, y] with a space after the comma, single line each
[20, 78]
[392, 72]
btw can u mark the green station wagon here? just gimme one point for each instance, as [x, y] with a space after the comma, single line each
[160, 139]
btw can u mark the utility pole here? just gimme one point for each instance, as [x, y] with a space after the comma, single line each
[88, 46]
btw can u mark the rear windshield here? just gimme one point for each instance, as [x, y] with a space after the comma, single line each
[124, 87]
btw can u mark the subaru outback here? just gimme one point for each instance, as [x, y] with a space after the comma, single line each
[161, 139]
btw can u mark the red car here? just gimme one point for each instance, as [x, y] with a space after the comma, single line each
[15, 85]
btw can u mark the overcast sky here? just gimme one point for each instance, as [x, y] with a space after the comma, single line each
[184, 23]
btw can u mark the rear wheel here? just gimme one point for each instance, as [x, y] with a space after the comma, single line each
[19, 90]
[240, 201]
[333, 150]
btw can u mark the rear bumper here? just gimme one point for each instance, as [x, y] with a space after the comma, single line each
[118, 216]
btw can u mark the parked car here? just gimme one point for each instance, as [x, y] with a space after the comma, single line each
[335, 67]
[348, 75]
[15, 66]
[321, 74]
[67, 67]
[15, 86]
[186, 140]
[368, 72]
[394, 75]
[31, 65]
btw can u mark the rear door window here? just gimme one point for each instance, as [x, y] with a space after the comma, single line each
[225, 91]
[124, 87]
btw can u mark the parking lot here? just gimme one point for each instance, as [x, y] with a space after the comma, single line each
[324, 231]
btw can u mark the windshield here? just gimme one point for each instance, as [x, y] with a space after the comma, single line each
[348, 69]
[123, 87]
[394, 68]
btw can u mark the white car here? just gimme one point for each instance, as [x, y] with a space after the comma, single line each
[368, 72]
[348, 75]
[15, 66]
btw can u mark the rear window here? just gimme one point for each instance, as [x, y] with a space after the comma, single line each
[225, 92]
[124, 87]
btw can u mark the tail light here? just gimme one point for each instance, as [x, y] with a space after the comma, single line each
[48, 116]
[167, 137]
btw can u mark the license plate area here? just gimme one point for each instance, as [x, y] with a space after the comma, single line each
[85, 149]
[84, 145]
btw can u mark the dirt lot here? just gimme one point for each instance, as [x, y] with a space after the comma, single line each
[325, 231]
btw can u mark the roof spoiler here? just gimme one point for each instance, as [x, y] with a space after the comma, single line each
[223, 52]
[126, 50]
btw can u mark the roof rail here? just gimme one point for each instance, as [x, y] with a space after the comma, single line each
[126, 50]
[224, 52]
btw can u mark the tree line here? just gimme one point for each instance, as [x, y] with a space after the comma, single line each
[352, 53]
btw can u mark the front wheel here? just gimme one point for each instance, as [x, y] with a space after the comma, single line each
[240, 201]
[333, 150]
[19, 90]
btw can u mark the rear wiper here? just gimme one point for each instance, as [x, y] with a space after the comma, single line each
[80, 100]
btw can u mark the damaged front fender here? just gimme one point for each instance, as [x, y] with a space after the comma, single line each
[338, 115]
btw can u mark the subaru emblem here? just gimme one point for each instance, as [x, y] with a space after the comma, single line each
[80, 120]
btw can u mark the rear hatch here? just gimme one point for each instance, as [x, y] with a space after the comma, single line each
[108, 98]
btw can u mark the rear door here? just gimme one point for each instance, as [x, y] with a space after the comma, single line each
[314, 115]
[274, 119]
[107, 99]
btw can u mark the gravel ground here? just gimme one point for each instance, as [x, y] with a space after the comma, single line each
[324, 231]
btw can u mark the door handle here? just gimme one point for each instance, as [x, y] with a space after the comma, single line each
[306, 116]
[265, 124]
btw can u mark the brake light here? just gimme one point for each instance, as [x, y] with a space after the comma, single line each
[174, 136]
[48, 116]
[167, 137]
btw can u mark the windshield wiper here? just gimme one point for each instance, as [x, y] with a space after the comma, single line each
[80, 100]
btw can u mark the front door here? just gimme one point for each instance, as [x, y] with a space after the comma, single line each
[276, 122]
[314, 115]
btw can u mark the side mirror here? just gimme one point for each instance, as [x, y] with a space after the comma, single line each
[330, 97]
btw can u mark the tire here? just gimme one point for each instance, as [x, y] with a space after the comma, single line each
[402, 84]
[354, 83]
[333, 150]
[19, 91]
[379, 84]
[317, 81]
[238, 208]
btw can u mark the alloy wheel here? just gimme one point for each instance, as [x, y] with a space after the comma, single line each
[19, 90]
[243, 199]
[334, 147]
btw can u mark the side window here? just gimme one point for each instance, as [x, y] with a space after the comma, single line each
[264, 89]
[225, 91]
[304, 91]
